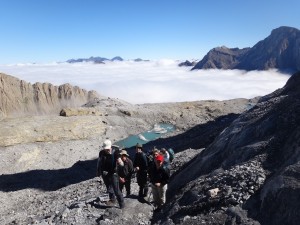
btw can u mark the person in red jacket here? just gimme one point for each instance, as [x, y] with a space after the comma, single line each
[159, 177]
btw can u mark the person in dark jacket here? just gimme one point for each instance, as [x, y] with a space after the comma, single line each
[107, 167]
[159, 177]
[140, 165]
[125, 172]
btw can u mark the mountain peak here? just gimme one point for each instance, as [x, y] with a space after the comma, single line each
[284, 29]
[117, 58]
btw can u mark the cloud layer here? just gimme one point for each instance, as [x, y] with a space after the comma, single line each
[152, 82]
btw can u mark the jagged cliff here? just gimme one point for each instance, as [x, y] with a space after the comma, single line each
[280, 50]
[19, 98]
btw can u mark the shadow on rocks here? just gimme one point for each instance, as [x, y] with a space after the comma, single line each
[197, 137]
[49, 180]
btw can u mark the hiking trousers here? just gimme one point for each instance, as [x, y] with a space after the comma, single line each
[159, 195]
[112, 184]
[127, 186]
[142, 180]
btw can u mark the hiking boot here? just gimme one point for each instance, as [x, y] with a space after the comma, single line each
[140, 193]
[122, 205]
[111, 202]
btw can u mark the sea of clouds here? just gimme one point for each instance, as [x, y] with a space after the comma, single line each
[152, 81]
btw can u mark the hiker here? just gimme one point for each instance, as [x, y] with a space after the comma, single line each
[151, 155]
[159, 175]
[125, 172]
[155, 153]
[107, 168]
[140, 165]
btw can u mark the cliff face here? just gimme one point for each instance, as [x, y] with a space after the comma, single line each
[280, 50]
[19, 98]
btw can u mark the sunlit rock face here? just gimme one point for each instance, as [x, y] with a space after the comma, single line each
[19, 98]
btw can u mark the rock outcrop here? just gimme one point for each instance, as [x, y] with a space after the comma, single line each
[187, 63]
[50, 128]
[254, 163]
[19, 98]
[280, 50]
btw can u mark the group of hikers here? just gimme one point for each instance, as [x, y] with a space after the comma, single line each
[116, 169]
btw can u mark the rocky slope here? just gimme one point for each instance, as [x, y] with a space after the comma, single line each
[78, 203]
[19, 98]
[247, 173]
[253, 165]
[280, 50]
[54, 157]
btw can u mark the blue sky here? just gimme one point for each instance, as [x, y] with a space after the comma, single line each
[57, 30]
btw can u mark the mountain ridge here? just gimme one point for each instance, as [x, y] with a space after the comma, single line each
[101, 60]
[280, 50]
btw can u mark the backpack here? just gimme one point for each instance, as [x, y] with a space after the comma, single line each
[168, 173]
[171, 153]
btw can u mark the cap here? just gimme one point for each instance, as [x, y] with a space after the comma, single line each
[106, 144]
[138, 145]
[124, 152]
[159, 158]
